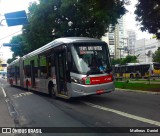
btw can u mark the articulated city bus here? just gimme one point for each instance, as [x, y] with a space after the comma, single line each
[137, 70]
[65, 67]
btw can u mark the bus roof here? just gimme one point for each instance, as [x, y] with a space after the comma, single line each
[136, 64]
[77, 39]
[60, 41]
[142, 63]
[13, 62]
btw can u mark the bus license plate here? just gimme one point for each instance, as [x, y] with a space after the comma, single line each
[99, 91]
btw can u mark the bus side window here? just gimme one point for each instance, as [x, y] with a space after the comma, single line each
[50, 64]
[127, 71]
[43, 66]
[72, 65]
[27, 71]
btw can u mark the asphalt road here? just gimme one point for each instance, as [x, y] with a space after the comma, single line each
[117, 109]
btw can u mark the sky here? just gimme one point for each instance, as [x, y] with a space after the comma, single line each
[6, 33]
[132, 24]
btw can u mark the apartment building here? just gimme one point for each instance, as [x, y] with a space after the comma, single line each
[117, 39]
[131, 41]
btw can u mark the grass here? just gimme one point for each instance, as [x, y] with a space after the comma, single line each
[146, 80]
[138, 86]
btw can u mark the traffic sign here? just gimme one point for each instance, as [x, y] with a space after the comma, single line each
[10, 44]
[16, 18]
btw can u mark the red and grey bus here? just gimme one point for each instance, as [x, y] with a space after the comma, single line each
[66, 67]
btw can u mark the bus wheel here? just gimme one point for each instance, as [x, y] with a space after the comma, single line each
[137, 76]
[51, 90]
[131, 76]
[27, 88]
[11, 82]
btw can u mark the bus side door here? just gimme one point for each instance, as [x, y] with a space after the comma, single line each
[61, 72]
[32, 74]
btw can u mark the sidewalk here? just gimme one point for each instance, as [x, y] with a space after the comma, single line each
[5, 118]
[137, 91]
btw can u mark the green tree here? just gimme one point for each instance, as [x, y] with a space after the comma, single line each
[10, 60]
[116, 61]
[51, 19]
[20, 48]
[156, 56]
[91, 18]
[127, 59]
[148, 15]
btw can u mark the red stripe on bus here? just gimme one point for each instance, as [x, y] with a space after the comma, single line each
[98, 80]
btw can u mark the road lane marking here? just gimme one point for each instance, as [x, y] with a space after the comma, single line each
[149, 121]
[4, 93]
[22, 94]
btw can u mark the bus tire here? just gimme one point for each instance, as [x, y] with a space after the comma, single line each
[11, 82]
[137, 76]
[131, 76]
[27, 87]
[51, 90]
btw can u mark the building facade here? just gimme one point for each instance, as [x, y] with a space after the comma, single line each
[131, 41]
[144, 49]
[116, 39]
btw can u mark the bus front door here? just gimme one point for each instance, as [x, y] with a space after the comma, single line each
[16, 74]
[32, 74]
[61, 72]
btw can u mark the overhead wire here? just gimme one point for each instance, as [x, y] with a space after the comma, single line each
[10, 35]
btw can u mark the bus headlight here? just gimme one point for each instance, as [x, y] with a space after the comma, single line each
[77, 80]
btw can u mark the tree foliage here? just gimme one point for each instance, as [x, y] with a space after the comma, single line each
[123, 61]
[10, 60]
[19, 49]
[148, 15]
[51, 19]
[156, 56]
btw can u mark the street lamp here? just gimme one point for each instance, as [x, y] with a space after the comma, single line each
[10, 44]
[53, 32]
[70, 23]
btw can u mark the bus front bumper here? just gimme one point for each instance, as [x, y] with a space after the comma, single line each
[84, 90]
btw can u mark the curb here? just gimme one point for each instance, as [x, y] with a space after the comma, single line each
[137, 91]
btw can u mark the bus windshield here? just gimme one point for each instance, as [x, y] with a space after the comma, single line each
[91, 58]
